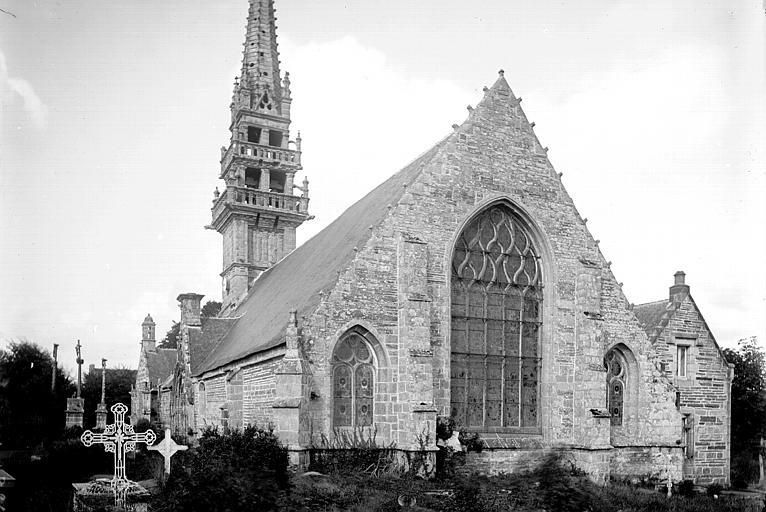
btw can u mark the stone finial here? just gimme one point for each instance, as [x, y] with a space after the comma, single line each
[216, 193]
[501, 72]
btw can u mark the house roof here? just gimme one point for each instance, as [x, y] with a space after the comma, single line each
[296, 281]
[652, 315]
[160, 364]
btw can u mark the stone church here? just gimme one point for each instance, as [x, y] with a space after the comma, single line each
[466, 286]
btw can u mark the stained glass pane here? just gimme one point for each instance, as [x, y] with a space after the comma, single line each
[363, 381]
[353, 383]
[616, 401]
[342, 381]
[494, 266]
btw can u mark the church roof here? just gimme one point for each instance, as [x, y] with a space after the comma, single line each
[160, 363]
[202, 340]
[298, 279]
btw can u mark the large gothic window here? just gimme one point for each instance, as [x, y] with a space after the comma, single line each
[496, 318]
[615, 382]
[352, 382]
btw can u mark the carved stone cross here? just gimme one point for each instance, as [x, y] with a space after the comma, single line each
[167, 448]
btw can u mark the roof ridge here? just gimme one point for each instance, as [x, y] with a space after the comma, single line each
[316, 262]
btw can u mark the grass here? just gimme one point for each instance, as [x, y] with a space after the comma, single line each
[551, 487]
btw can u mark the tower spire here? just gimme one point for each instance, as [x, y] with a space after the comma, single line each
[258, 212]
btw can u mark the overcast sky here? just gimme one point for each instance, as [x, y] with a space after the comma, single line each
[113, 113]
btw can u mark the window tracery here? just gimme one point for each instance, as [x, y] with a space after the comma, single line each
[496, 319]
[352, 382]
[615, 379]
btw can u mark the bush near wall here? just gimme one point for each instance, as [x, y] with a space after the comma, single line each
[242, 470]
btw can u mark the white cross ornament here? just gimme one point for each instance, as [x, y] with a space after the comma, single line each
[119, 438]
[167, 448]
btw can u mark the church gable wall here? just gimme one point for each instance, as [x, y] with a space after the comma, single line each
[493, 156]
[703, 393]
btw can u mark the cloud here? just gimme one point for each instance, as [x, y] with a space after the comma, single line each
[362, 119]
[14, 88]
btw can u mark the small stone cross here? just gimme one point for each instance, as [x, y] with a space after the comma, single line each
[167, 448]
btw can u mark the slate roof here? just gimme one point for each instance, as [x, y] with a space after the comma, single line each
[652, 315]
[160, 364]
[297, 280]
[202, 340]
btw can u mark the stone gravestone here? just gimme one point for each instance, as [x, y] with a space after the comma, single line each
[117, 438]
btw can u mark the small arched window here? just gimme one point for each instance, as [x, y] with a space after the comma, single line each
[615, 382]
[496, 319]
[353, 378]
[202, 397]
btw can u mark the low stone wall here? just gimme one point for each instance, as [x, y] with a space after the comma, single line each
[646, 463]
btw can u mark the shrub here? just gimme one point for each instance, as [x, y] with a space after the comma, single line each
[714, 489]
[242, 470]
[686, 488]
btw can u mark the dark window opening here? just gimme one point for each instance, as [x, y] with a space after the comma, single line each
[253, 134]
[275, 138]
[252, 177]
[277, 182]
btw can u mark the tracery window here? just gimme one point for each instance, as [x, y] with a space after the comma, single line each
[352, 382]
[496, 319]
[615, 382]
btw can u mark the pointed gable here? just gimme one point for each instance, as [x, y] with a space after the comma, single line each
[297, 280]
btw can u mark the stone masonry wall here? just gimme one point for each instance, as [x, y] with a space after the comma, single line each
[703, 393]
[258, 393]
[494, 156]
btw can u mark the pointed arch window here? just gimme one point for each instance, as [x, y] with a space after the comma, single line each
[615, 382]
[495, 324]
[353, 379]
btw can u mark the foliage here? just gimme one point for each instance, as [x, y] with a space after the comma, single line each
[30, 413]
[241, 470]
[471, 441]
[714, 489]
[352, 451]
[171, 337]
[211, 308]
[118, 384]
[555, 486]
[748, 407]
[444, 427]
[686, 488]
[44, 482]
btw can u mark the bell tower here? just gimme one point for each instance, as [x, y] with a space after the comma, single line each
[258, 211]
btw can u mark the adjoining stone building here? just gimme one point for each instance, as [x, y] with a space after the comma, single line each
[154, 366]
[691, 359]
[466, 286]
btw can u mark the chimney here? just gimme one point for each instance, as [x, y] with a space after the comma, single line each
[680, 289]
[148, 341]
[190, 308]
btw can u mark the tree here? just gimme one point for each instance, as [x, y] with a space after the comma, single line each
[748, 406]
[210, 309]
[30, 413]
[171, 337]
[118, 384]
